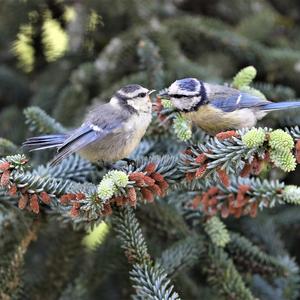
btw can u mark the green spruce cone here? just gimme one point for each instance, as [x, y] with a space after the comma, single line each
[281, 140]
[283, 159]
[291, 194]
[254, 138]
[244, 77]
[119, 178]
[106, 189]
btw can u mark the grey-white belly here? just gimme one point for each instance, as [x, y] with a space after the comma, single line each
[120, 143]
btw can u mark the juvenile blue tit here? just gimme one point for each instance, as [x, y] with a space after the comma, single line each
[217, 108]
[110, 132]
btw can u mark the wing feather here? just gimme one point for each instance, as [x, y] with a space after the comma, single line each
[237, 101]
[104, 122]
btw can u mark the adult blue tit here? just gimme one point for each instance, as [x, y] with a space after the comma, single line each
[216, 108]
[110, 132]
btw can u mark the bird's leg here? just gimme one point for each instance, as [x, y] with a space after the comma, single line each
[100, 165]
[130, 162]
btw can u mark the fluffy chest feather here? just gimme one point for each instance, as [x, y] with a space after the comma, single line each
[138, 124]
[121, 142]
[134, 130]
[213, 120]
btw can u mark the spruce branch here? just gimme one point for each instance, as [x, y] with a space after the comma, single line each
[181, 255]
[7, 147]
[153, 176]
[166, 165]
[38, 120]
[249, 258]
[294, 132]
[223, 275]
[10, 275]
[120, 188]
[72, 168]
[130, 234]
[275, 92]
[13, 162]
[217, 232]
[164, 219]
[239, 152]
[32, 188]
[36, 184]
[242, 197]
[151, 283]
[150, 280]
[153, 43]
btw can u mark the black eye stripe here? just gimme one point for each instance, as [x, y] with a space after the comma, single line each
[141, 95]
[176, 96]
[181, 96]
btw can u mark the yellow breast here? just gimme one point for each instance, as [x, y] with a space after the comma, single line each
[213, 120]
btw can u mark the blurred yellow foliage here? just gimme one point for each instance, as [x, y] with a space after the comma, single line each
[96, 236]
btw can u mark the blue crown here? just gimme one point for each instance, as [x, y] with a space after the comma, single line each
[188, 84]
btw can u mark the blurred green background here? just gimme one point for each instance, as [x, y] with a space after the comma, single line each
[65, 55]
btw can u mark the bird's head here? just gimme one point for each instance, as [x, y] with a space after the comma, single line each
[133, 97]
[186, 94]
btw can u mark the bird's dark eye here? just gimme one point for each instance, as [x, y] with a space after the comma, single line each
[142, 95]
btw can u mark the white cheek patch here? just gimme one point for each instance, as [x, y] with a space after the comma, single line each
[185, 103]
[141, 105]
[131, 103]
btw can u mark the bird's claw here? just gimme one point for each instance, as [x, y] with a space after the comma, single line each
[130, 162]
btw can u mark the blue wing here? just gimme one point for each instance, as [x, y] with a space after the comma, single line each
[232, 102]
[45, 141]
[76, 141]
[82, 137]
[104, 121]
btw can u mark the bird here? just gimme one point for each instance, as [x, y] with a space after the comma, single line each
[217, 108]
[109, 132]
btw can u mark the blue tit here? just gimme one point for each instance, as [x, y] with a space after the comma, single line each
[216, 108]
[110, 131]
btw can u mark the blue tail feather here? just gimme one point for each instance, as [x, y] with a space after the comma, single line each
[45, 141]
[280, 105]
